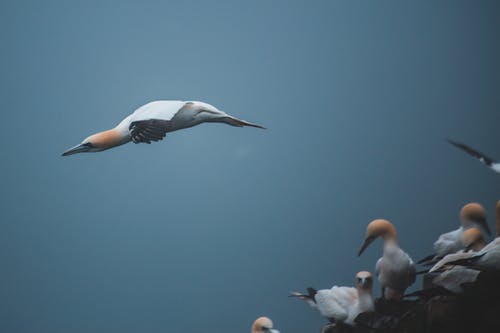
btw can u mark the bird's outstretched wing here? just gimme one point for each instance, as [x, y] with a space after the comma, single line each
[480, 156]
[152, 121]
[149, 130]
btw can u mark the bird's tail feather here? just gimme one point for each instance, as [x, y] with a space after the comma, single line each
[239, 123]
[426, 259]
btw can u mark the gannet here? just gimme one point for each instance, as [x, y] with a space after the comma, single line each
[395, 269]
[263, 325]
[490, 163]
[152, 121]
[342, 304]
[471, 214]
[488, 259]
[453, 277]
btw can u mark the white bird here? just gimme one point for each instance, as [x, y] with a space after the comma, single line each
[152, 121]
[263, 325]
[489, 162]
[488, 259]
[452, 277]
[342, 304]
[471, 214]
[395, 269]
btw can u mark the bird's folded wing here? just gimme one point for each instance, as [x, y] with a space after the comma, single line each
[345, 296]
[329, 307]
[448, 243]
[450, 258]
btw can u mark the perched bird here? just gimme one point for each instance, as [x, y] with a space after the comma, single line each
[453, 277]
[488, 259]
[152, 121]
[263, 325]
[395, 269]
[471, 214]
[490, 163]
[342, 304]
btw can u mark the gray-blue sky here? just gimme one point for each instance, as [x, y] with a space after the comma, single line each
[214, 226]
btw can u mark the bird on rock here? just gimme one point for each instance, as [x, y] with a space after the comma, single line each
[395, 269]
[342, 304]
[471, 215]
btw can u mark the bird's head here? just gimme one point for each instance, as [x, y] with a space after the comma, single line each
[472, 239]
[263, 325]
[96, 142]
[364, 280]
[378, 228]
[474, 214]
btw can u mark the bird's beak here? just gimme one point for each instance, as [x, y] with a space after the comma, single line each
[368, 241]
[270, 330]
[81, 148]
[367, 283]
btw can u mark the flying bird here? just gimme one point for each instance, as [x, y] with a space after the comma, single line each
[342, 304]
[471, 214]
[152, 121]
[489, 162]
[263, 325]
[395, 269]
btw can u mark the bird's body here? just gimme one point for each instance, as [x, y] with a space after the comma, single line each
[489, 162]
[342, 304]
[152, 121]
[448, 242]
[486, 259]
[395, 269]
[452, 277]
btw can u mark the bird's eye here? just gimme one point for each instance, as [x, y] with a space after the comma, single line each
[88, 144]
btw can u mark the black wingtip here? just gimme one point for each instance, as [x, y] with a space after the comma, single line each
[455, 143]
[422, 272]
[426, 259]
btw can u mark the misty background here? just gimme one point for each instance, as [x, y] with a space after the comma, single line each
[214, 226]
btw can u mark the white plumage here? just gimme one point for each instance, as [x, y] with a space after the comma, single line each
[342, 304]
[395, 269]
[471, 215]
[486, 259]
[452, 277]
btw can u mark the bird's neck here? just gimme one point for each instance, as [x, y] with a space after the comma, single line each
[390, 240]
[479, 245]
[108, 139]
[365, 299]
